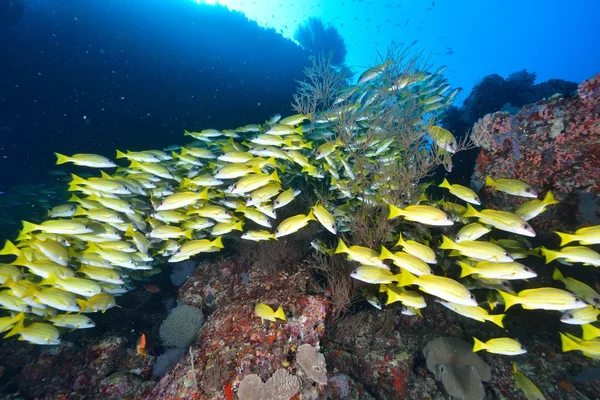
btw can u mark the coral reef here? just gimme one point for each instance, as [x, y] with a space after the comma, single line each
[552, 145]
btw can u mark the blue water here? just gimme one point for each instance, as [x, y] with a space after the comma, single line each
[92, 76]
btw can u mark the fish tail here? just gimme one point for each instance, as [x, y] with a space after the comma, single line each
[256, 169]
[218, 242]
[515, 367]
[509, 299]
[50, 280]
[392, 296]
[188, 233]
[557, 275]
[83, 305]
[447, 244]
[76, 180]
[129, 232]
[497, 319]
[489, 181]
[478, 345]
[308, 145]
[9, 248]
[568, 344]
[299, 130]
[566, 238]
[27, 227]
[74, 199]
[203, 195]
[341, 247]
[383, 288]
[466, 269]
[406, 278]
[184, 151]
[274, 176]
[61, 158]
[187, 183]
[120, 154]
[445, 184]
[471, 212]
[549, 199]
[400, 241]
[590, 331]
[18, 328]
[395, 212]
[549, 254]
[79, 211]
[238, 226]
[311, 216]
[280, 314]
[385, 254]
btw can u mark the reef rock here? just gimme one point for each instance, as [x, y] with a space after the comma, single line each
[234, 342]
[553, 144]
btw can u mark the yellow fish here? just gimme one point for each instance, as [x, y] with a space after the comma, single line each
[462, 192]
[424, 214]
[265, 312]
[529, 389]
[587, 235]
[543, 299]
[512, 186]
[505, 346]
[85, 160]
[293, 224]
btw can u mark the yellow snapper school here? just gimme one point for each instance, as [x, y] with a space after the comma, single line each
[153, 206]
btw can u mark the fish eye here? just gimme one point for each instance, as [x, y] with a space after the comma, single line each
[578, 300]
[569, 316]
[525, 226]
[506, 255]
[527, 269]
[87, 227]
[131, 207]
[472, 296]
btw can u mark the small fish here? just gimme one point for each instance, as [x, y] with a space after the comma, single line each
[36, 333]
[72, 321]
[543, 299]
[529, 389]
[321, 247]
[360, 254]
[535, 207]
[373, 274]
[62, 211]
[512, 186]
[589, 348]
[424, 214]
[406, 261]
[483, 251]
[265, 312]
[462, 192]
[408, 298]
[442, 137]
[441, 287]
[497, 270]
[258, 236]
[417, 249]
[474, 312]
[141, 346]
[581, 316]
[285, 198]
[293, 224]
[471, 231]
[585, 236]
[505, 346]
[85, 160]
[324, 217]
[373, 72]
[585, 292]
[576, 254]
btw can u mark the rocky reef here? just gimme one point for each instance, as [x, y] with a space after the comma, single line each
[553, 144]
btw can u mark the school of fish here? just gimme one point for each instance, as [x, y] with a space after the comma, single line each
[151, 206]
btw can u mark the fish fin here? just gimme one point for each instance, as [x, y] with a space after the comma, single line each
[400, 241]
[188, 233]
[406, 278]
[203, 195]
[239, 226]
[385, 254]
[471, 212]
[341, 247]
[497, 319]
[83, 305]
[18, 328]
[218, 242]
[549, 254]
[447, 244]
[590, 332]
[515, 367]
[280, 314]
[445, 184]
[489, 181]
[395, 212]
[549, 199]
[129, 232]
[275, 177]
[568, 344]
[27, 227]
[61, 158]
[466, 269]
[392, 296]
[79, 211]
[557, 275]
[9, 248]
[77, 180]
[299, 130]
[311, 216]
[120, 154]
[478, 345]
[566, 238]
[509, 299]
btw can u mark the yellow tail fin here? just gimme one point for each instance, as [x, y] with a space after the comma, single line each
[280, 314]
[385, 254]
[568, 344]
[471, 212]
[590, 331]
[478, 345]
[395, 212]
[218, 242]
[509, 299]
[497, 319]
[18, 328]
[566, 238]
[489, 181]
[341, 247]
[447, 244]
[10, 249]
[120, 154]
[466, 269]
[61, 158]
